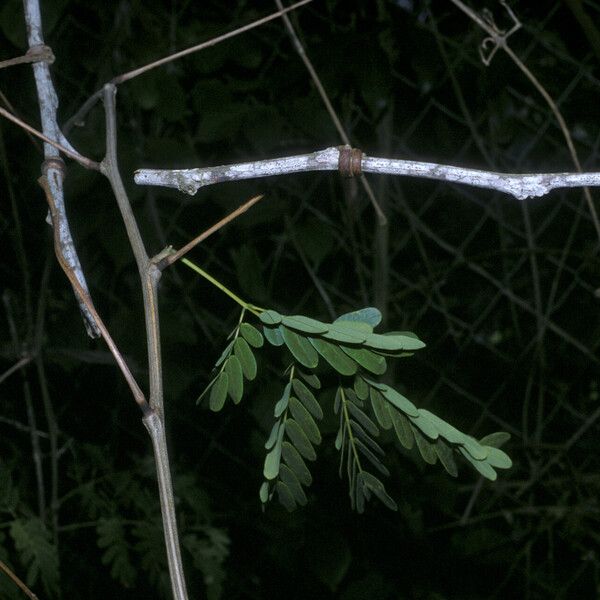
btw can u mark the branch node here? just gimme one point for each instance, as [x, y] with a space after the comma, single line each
[350, 162]
[41, 53]
[498, 36]
[53, 163]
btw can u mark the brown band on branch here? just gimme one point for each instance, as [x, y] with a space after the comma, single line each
[40, 53]
[350, 162]
[53, 163]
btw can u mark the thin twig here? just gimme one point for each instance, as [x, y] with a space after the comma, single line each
[79, 116]
[47, 403]
[382, 219]
[499, 40]
[171, 258]
[15, 112]
[22, 427]
[18, 365]
[34, 434]
[88, 163]
[17, 581]
[221, 38]
[133, 385]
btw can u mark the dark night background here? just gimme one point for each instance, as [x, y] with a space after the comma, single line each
[506, 295]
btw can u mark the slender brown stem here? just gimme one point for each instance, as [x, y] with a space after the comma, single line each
[88, 163]
[18, 365]
[149, 274]
[80, 115]
[85, 297]
[171, 258]
[154, 418]
[221, 38]
[18, 582]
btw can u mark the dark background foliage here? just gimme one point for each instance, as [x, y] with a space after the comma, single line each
[504, 293]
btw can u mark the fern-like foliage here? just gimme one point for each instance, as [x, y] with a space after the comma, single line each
[349, 347]
[292, 439]
[37, 552]
[209, 548]
[117, 554]
[358, 449]
[236, 363]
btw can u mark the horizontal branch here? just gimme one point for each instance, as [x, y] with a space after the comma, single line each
[521, 186]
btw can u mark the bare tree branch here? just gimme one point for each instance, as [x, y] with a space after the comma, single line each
[48, 102]
[521, 186]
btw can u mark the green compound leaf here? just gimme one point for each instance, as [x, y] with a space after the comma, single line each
[497, 458]
[362, 418]
[233, 368]
[472, 446]
[398, 400]
[112, 537]
[251, 335]
[350, 395]
[346, 332]
[300, 348]
[296, 463]
[263, 493]
[369, 315]
[299, 439]
[273, 336]
[370, 456]
[370, 482]
[380, 409]
[347, 345]
[282, 403]
[218, 392]
[368, 360]
[402, 427]
[307, 398]
[286, 498]
[305, 324]
[273, 458]
[270, 318]
[361, 388]
[311, 379]
[242, 350]
[496, 440]
[482, 466]
[340, 438]
[207, 389]
[446, 456]
[224, 355]
[273, 435]
[425, 424]
[356, 446]
[447, 431]
[37, 552]
[339, 360]
[305, 420]
[392, 343]
[366, 438]
[426, 447]
[288, 477]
